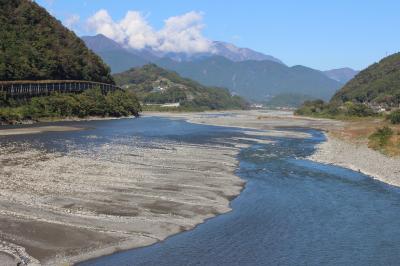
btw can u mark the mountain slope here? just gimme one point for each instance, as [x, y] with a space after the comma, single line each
[255, 79]
[101, 43]
[237, 54]
[114, 54]
[155, 85]
[343, 75]
[121, 60]
[36, 46]
[379, 83]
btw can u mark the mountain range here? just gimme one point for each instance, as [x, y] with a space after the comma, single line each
[243, 71]
[255, 80]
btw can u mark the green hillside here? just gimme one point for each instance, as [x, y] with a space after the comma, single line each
[378, 84]
[154, 85]
[36, 46]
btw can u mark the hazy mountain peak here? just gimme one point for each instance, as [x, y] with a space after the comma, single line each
[237, 54]
[101, 43]
[343, 75]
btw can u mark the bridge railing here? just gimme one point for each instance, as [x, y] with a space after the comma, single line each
[27, 88]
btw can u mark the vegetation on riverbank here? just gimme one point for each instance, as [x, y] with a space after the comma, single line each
[379, 131]
[89, 103]
[346, 111]
[375, 89]
[156, 86]
[394, 117]
[385, 139]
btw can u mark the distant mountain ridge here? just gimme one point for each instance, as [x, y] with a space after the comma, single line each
[343, 75]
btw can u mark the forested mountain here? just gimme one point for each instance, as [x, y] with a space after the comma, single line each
[343, 75]
[255, 80]
[154, 85]
[379, 83]
[36, 46]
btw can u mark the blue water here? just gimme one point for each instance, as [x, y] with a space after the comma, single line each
[291, 212]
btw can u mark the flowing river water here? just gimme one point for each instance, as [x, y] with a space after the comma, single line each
[291, 212]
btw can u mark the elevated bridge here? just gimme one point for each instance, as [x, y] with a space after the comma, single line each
[29, 88]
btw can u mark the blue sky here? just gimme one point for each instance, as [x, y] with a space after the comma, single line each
[314, 33]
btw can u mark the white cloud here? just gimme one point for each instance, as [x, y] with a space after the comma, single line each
[179, 34]
[72, 20]
[138, 32]
[102, 23]
[184, 34]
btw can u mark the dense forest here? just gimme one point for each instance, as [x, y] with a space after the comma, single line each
[92, 102]
[36, 46]
[378, 84]
[155, 85]
[319, 108]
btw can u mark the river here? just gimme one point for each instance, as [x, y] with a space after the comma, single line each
[291, 212]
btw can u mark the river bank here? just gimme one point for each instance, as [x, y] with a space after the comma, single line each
[358, 158]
